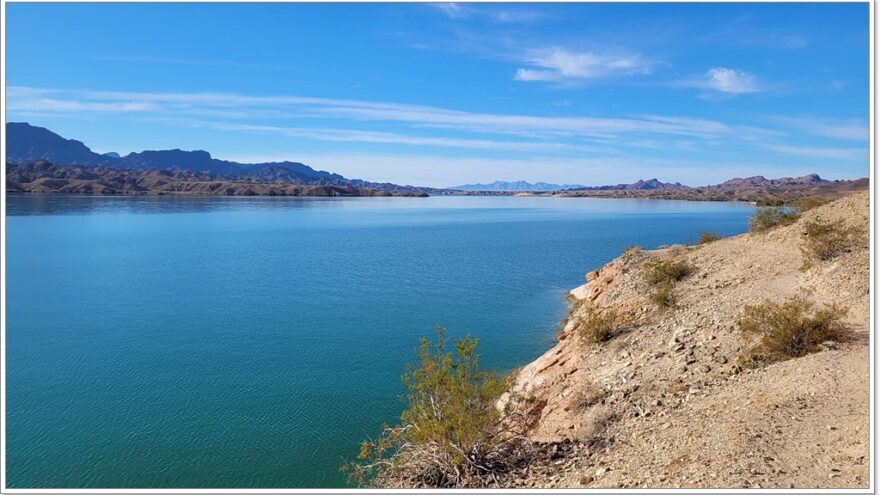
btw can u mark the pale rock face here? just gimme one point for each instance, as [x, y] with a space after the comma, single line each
[659, 404]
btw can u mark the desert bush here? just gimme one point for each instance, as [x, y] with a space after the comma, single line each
[768, 217]
[787, 330]
[662, 275]
[450, 434]
[769, 202]
[825, 240]
[707, 237]
[663, 295]
[657, 272]
[808, 203]
[595, 326]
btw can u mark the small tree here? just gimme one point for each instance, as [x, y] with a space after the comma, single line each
[450, 434]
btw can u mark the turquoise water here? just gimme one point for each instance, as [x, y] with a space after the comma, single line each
[254, 342]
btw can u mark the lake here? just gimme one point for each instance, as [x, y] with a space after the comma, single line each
[254, 342]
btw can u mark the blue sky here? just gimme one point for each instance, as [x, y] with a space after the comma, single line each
[441, 94]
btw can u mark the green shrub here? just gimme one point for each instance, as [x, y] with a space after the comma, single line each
[788, 330]
[825, 240]
[707, 237]
[450, 434]
[768, 217]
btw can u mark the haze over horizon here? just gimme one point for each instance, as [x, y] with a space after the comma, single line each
[447, 94]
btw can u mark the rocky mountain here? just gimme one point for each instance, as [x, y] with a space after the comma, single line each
[28, 144]
[641, 185]
[761, 181]
[44, 177]
[515, 186]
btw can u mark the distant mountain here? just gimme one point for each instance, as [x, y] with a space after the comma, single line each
[112, 154]
[28, 144]
[761, 181]
[514, 186]
[641, 185]
[44, 177]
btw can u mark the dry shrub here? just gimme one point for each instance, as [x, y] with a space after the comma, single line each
[808, 203]
[587, 396]
[768, 217]
[450, 434]
[791, 329]
[658, 272]
[597, 326]
[663, 295]
[662, 275]
[827, 240]
[707, 237]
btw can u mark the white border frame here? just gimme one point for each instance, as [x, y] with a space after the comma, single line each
[872, 396]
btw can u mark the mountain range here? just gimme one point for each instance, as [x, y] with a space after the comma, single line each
[39, 160]
[515, 186]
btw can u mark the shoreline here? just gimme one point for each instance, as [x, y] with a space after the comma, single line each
[662, 403]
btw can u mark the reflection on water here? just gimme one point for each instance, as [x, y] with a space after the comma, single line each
[58, 204]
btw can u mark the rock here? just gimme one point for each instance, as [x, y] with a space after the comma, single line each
[586, 480]
[601, 471]
[721, 359]
[695, 389]
[705, 368]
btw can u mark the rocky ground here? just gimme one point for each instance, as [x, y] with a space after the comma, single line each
[663, 403]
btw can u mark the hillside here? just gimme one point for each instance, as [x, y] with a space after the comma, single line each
[29, 144]
[752, 189]
[44, 177]
[664, 402]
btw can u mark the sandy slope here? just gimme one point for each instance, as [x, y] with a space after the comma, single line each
[659, 406]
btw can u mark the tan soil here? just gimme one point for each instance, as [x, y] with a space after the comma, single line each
[660, 404]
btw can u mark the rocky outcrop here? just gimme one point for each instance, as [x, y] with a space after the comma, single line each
[663, 404]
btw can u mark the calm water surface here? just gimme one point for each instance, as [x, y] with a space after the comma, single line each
[254, 342]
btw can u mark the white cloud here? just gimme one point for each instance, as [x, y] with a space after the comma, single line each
[236, 106]
[353, 135]
[731, 81]
[559, 65]
[725, 80]
[453, 10]
[846, 129]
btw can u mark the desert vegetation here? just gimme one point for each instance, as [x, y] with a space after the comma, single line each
[825, 240]
[790, 329]
[450, 433]
[662, 275]
[707, 237]
[596, 325]
[769, 217]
